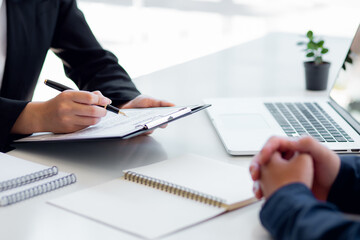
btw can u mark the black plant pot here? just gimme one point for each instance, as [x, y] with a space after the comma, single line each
[316, 75]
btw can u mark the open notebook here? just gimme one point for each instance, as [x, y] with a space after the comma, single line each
[21, 179]
[164, 197]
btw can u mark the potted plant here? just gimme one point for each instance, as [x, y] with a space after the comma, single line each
[316, 70]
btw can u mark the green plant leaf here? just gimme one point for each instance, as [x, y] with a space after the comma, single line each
[314, 48]
[310, 54]
[324, 50]
[312, 45]
[310, 34]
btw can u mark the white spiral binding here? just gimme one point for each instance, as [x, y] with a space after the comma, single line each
[37, 190]
[173, 188]
[29, 178]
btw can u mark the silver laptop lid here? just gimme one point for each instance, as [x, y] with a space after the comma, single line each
[345, 93]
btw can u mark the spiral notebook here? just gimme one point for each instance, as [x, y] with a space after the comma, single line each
[21, 179]
[161, 198]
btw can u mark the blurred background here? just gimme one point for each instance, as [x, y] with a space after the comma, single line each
[150, 35]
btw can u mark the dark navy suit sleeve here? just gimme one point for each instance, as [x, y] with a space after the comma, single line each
[345, 192]
[293, 212]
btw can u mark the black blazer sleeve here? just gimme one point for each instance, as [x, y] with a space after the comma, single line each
[293, 212]
[10, 110]
[34, 27]
[85, 61]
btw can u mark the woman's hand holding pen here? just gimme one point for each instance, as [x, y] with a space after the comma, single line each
[68, 112]
[73, 110]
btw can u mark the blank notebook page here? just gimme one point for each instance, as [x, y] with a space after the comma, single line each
[151, 213]
[136, 209]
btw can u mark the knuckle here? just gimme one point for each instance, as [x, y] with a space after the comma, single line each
[97, 92]
[62, 96]
[92, 111]
[63, 108]
[86, 97]
[90, 98]
[66, 94]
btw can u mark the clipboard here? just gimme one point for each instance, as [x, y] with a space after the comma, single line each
[173, 116]
[113, 126]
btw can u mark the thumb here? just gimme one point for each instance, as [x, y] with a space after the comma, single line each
[303, 165]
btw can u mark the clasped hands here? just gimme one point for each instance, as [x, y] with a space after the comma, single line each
[283, 161]
[71, 111]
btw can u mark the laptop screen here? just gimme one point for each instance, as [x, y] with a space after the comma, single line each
[346, 90]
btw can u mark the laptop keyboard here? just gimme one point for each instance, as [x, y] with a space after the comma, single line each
[300, 119]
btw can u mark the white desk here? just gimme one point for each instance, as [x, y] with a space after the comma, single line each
[268, 66]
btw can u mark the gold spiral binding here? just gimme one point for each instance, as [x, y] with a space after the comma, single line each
[173, 189]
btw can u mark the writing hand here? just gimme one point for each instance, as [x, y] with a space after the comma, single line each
[67, 112]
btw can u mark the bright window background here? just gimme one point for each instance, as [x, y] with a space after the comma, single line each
[149, 35]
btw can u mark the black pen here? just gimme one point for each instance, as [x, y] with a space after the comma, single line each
[61, 88]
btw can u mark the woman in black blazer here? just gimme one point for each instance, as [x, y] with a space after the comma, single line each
[34, 27]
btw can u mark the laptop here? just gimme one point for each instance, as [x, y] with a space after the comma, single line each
[245, 124]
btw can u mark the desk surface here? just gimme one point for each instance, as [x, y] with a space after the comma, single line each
[268, 66]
